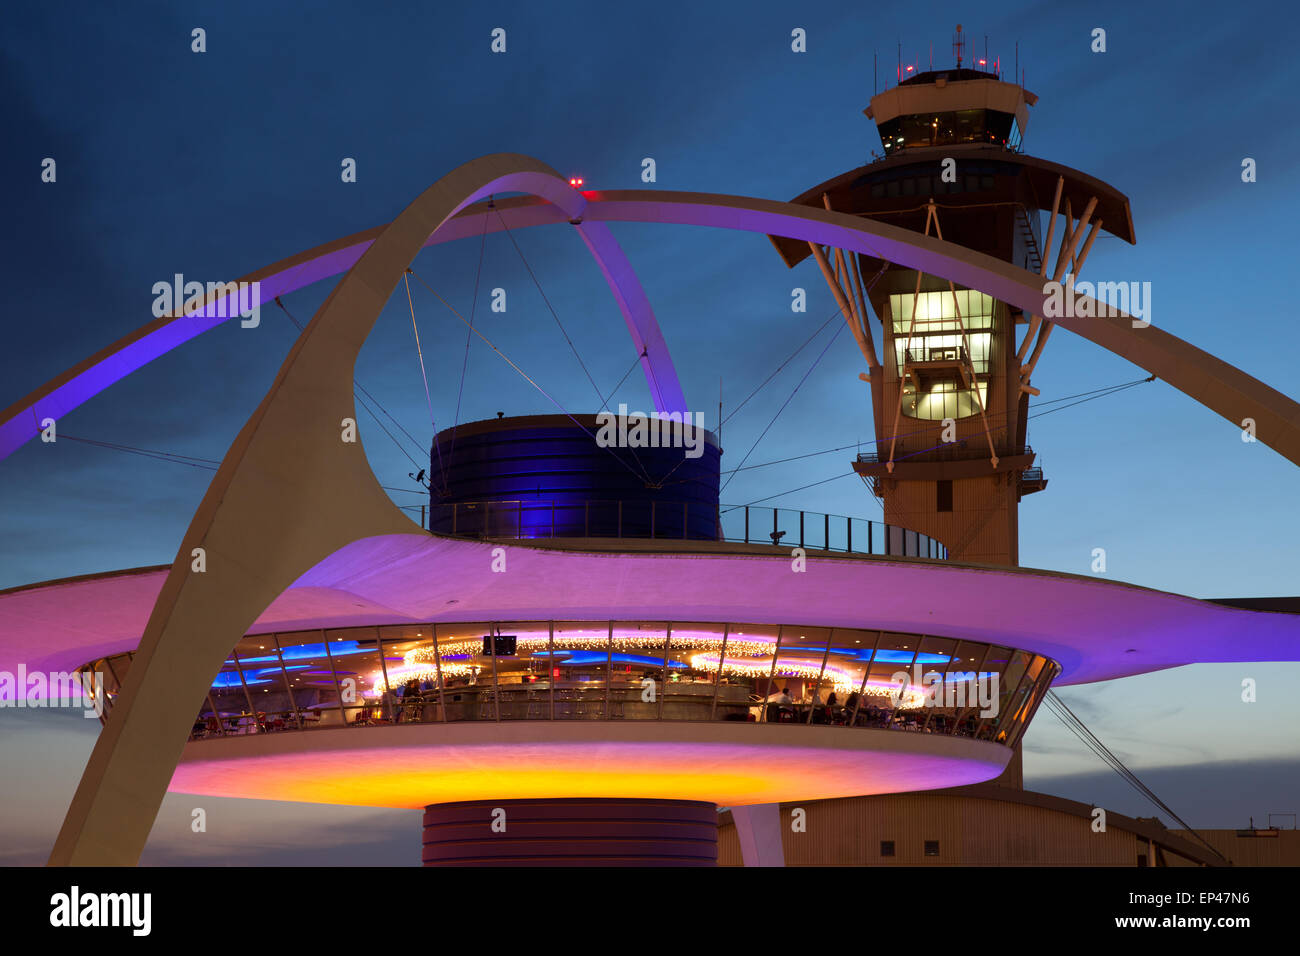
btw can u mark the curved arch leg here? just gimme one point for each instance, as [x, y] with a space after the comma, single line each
[289, 492]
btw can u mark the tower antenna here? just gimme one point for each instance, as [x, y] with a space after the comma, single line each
[957, 44]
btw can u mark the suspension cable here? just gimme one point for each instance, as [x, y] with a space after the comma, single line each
[359, 388]
[207, 464]
[866, 289]
[786, 403]
[1095, 394]
[526, 377]
[464, 365]
[603, 401]
[833, 316]
[635, 362]
[419, 352]
[1080, 730]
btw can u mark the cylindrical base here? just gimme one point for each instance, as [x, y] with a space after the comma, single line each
[576, 832]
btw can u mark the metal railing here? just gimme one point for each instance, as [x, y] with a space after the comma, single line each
[679, 521]
[928, 444]
[937, 353]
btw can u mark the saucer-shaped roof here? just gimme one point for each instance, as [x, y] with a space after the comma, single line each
[1097, 629]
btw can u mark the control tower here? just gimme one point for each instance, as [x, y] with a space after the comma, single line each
[951, 381]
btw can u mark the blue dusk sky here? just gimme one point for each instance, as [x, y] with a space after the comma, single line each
[215, 164]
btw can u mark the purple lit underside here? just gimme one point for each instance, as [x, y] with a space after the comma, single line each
[1096, 629]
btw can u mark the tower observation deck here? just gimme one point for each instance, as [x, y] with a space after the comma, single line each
[950, 385]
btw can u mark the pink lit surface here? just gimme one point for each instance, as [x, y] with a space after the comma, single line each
[1096, 629]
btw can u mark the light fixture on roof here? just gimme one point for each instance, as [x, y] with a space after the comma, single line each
[575, 182]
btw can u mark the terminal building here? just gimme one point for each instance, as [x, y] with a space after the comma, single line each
[583, 656]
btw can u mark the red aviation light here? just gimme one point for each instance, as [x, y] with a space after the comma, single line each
[575, 182]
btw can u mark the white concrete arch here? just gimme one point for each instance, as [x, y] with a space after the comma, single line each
[1209, 380]
[20, 422]
[291, 491]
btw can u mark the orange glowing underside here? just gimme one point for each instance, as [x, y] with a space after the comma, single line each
[736, 765]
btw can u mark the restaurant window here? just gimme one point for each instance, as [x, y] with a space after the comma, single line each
[886, 847]
[931, 847]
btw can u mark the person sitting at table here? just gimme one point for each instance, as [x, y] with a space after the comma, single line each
[388, 706]
[411, 697]
[817, 708]
[780, 706]
[832, 707]
[851, 707]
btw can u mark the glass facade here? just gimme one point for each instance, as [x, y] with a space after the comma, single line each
[946, 128]
[950, 329]
[617, 670]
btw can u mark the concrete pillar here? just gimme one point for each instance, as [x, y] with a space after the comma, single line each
[759, 830]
